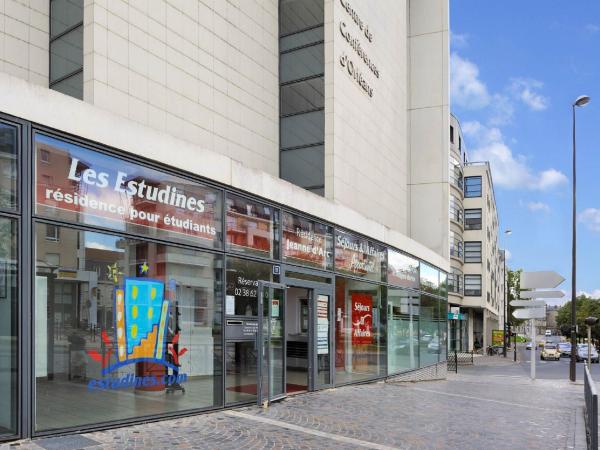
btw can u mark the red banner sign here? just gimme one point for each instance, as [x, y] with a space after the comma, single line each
[362, 318]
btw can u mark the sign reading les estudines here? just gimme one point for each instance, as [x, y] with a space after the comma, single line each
[82, 185]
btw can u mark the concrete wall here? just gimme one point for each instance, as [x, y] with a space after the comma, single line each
[24, 39]
[366, 135]
[53, 109]
[205, 71]
[428, 48]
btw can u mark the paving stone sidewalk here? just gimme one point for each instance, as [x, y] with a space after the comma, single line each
[470, 410]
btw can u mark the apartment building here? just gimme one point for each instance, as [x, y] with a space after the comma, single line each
[476, 280]
[189, 184]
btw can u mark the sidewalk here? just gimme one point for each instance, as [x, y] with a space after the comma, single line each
[470, 410]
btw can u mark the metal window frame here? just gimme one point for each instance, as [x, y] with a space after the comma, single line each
[27, 219]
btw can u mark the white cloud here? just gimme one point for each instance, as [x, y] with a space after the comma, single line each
[466, 89]
[508, 170]
[526, 90]
[99, 246]
[459, 40]
[538, 206]
[594, 294]
[592, 28]
[503, 110]
[591, 218]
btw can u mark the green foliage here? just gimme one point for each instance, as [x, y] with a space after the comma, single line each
[513, 287]
[586, 307]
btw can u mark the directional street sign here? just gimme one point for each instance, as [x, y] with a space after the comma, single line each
[540, 280]
[529, 303]
[530, 313]
[542, 294]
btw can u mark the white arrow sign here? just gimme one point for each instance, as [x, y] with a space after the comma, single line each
[528, 303]
[530, 313]
[542, 294]
[540, 280]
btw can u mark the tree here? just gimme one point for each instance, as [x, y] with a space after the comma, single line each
[513, 288]
[586, 307]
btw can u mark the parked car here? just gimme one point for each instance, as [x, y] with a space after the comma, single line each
[548, 333]
[434, 345]
[529, 345]
[582, 353]
[550, 351]
[564, 348]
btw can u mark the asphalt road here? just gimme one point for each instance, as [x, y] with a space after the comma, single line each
[546, 370]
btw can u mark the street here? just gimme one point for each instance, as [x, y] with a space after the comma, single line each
[492, 404]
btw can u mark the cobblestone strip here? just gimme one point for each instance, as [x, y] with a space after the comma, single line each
[290, 426]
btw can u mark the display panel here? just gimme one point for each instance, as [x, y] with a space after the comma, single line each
[360, 348]
[242, 285]
[402, 270]
[359, 257]
[77, 184]
[307, 242]
[252, 227]
[124, 328]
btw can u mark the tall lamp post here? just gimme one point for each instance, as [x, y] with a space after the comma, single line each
[507, 233]
[579, 101]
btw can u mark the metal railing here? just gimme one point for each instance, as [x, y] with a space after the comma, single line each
[591, 409]
[456, 358]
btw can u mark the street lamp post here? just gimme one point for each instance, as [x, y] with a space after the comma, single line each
[508, 233]
[580, 101]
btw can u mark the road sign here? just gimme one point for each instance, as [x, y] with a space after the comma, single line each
[540, 280]
[542, 294]
[530, 313]
[528, 303]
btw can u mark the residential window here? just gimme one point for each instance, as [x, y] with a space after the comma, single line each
[473, 186]
[472, 285]
[456, 210]
[66, 47]
[459, 143]
[302, 94]
[473, 252]
[455, 282]
[52, 233]
[473, 219]
[451, 134]
[455, 173]
[456, 246]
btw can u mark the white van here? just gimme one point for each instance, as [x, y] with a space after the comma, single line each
[548, 333]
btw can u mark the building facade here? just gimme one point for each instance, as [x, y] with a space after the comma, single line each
[476, 281]
[207, 204]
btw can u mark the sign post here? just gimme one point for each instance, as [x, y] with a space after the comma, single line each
[536, 282]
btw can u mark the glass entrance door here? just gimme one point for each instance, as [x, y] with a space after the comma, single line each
[271, 342]
[322, 320]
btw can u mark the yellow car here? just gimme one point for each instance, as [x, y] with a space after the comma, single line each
[550, 351]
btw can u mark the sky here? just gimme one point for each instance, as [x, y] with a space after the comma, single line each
[516, 69]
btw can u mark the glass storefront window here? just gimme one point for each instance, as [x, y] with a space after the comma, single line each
[430, 341]
[76, 184]
[402, 270]
[360, 349]
[430, 279]
[359, 257]
[307, 242]
[8, 166]
[252, 227]
[8, 326]
[242, 283]
[123, 327]
[403, 330]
